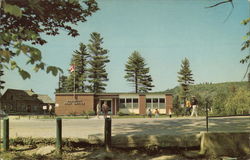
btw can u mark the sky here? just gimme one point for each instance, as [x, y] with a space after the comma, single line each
[163, 31]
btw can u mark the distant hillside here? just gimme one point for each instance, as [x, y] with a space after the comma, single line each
[212, 88]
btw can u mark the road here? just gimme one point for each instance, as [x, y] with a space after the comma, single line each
[82, 128]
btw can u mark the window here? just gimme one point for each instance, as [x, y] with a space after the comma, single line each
[135, 102]
[122, 103]
[148, 102]
[162, 103]
[155, 103]
[128, 103]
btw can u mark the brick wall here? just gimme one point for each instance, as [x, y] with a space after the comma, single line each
[169, 103]
[142, 104]
[70, 104]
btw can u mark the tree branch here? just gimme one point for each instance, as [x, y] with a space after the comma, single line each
[217, 4]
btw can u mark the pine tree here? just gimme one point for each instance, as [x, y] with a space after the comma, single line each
[62, 84]
[137, 73]
[1, 81]
[185, 78]
[79, 75]
[98, 59]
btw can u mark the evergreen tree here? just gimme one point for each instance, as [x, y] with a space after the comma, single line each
[1, 81]
[137, 73]
[98, 59]
[62, 84]
[78, 76]
[185, 78]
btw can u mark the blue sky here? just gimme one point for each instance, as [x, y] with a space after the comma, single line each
[163, 31]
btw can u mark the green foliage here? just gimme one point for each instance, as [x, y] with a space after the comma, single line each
[137, 73]
[177, 108]
[246, 45]
[90, 113]
[222, 98]
[76, 80]
[121, 113]
[23, 23]
[12, 9]
[238, 103]
[98, 59]
[1, 81]
[185, 78]
[62, 84]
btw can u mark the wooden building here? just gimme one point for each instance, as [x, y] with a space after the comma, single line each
[16, 101]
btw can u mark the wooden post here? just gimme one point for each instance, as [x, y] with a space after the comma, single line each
[6, 134]
[207, 115]
[107, 133]
[59, 135]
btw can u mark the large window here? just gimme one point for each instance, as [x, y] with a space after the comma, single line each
[148, 102]
[154, 103]
[162, 103]
[128, 103]
[122, 103]
[135, 102]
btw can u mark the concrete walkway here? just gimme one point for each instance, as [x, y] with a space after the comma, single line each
[82, 128]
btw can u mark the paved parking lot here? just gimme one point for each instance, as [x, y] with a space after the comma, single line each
[81, 128]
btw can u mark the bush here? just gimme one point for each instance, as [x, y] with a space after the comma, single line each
[90, 113]
[121, 114]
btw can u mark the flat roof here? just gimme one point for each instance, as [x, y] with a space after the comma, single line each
[114, 93]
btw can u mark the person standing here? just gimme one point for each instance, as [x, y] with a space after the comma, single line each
[50, 110]
[98, 109]
[188, 107]
[105, 109]
[149, 113]
[157, 113]
[194, 106]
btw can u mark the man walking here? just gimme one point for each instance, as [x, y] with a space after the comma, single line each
[194, 106]
[188, 107]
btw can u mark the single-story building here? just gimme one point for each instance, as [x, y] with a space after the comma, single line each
[15, 101]
[136, 103]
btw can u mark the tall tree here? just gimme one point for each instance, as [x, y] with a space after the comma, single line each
[23, 22]
[98, 60]
[185, 78]
[62, 84]
[78, 76]
[137, 73]
[1, 81]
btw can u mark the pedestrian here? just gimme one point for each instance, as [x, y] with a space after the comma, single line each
[50, 110]
[149, 113]
[194, 103]
[157, 113]
[98, 109]
[105, 109]
[170, 113]
[188, 107]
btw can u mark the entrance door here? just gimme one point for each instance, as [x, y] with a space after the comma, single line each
[109, 103]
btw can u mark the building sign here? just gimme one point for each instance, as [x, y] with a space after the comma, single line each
[76, 102]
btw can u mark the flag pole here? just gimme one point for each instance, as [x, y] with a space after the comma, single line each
[74, 81]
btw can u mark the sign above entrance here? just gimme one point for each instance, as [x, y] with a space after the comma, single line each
[77, 102]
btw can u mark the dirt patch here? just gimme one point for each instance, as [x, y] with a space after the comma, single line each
[99, 153]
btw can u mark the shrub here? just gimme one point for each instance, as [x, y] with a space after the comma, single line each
[121, 113]
[90, 113]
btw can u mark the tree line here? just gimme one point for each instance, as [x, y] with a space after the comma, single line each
[88, 70]
[229, 98]
[221, 99]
